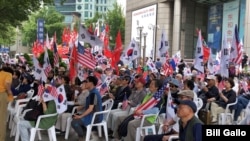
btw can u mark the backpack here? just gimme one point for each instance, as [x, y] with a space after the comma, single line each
[123, 127]
[36, 111]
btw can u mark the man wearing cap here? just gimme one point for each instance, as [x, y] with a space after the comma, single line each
[121, 91]
[134, 100]
[210, 92]
[173, 123]
[190, 126]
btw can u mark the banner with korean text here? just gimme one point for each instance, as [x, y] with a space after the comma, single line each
[230, 19]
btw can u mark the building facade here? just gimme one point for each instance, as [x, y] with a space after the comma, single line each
[179, 19]
[87, 8]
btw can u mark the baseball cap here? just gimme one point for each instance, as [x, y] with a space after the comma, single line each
[142, 80]
[175, 82]
[188, 93]
[189, 103]
[211, 77]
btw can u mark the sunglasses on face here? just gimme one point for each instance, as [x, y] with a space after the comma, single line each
[172, 86]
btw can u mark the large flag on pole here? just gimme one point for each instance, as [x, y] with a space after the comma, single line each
[46, 66]
[163, 47]
[210, 62]
[55, 53]
[225, 56]
[234, 45]
[38, 72]
[87, 37]
[131, 53]
[198, 62]
[170, 114]
[85, 58]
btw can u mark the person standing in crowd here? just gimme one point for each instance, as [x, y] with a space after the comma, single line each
[5, 92]
[190, 126]
[158, 64]
[93, 104]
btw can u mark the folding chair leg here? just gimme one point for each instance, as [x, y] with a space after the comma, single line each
[32, 134]
[52, 131]
[39, 135]
[89, 128]
[105, 131]
[99, 131]
[68, 126]
[17, 134]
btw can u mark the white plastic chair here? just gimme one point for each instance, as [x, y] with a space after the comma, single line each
[51, 130]
[145, 129]
[172, 137]
[107, 107]
[227, 115]
[199, 104]
[68, 124]
[12, 110]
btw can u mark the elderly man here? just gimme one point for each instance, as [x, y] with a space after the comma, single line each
[134, 99]
[190, 125]
[210, 92]
[167, 131]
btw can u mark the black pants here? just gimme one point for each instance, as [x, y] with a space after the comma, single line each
[158, 137]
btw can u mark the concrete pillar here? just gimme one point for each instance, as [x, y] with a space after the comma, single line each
[247, 28]
[176, 26]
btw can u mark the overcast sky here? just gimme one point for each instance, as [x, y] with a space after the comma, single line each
[123, 4]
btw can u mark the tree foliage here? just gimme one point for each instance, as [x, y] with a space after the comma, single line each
[53, 24]
[7, 37]
[116, 20]
[13, 12]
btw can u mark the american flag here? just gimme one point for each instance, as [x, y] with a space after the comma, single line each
[125, 102]
[85, 57]
[154, 100]
[53, 91]
[40, 90]
[47, 67]
[104, 88]
[167, 69]
[56, 55]
[236, 55]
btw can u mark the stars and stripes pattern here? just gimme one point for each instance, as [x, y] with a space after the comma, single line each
[236, 53]
[41, 89]
[85, 57]
[153, 101]
[56, 55]
[53, 91]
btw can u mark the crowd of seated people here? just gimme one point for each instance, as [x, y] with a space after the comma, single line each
[138, 88]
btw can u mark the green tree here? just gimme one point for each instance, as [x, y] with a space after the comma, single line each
[53, 23]
[7, 37]
[14, 12]
[116, 21]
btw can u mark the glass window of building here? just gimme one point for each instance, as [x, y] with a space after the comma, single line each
[86, 14]
[105, 1]
[86, 0]
[96, 8]
[90, 14]
[97, 1]
[90, 6]
[86, 7]
[79, 0]
[101, 1]
[101, 8]
[79, 7]
[105, 8]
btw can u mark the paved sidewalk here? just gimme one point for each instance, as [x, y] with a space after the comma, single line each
[72, 136]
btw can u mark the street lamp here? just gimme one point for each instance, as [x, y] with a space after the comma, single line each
[154, 27]
[144, 47]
